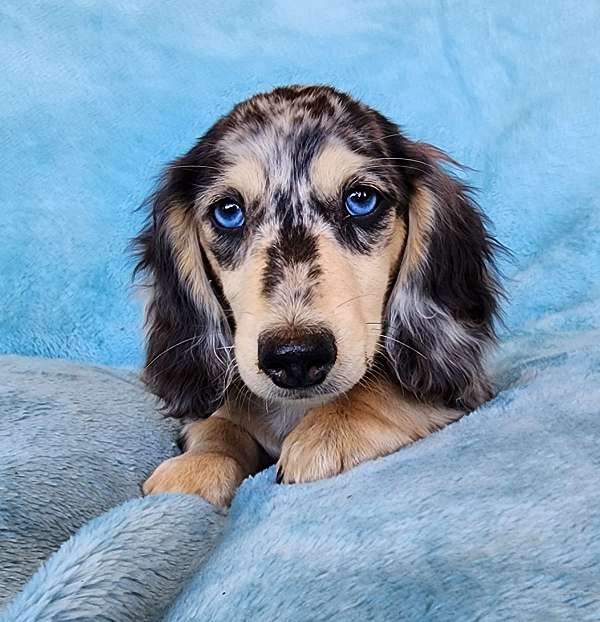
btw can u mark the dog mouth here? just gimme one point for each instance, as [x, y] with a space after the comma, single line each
[320, 393]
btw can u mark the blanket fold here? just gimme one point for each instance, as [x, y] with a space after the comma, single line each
[495, 517]
[123, 566]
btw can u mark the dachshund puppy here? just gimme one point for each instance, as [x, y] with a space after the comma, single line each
[322, 292]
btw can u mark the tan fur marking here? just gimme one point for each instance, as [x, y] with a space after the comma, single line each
[183, 234]
[420, 219]
[219, 456]
[366, 423]
[247, 176]
[253, 314]
[352, 293]
[332, 168]
[213, 476]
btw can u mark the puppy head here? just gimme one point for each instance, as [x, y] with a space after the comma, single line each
[302, 244]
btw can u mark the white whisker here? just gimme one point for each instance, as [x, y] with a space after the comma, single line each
[171, 347]
[185, 166]
[403, 344]
[352, 299]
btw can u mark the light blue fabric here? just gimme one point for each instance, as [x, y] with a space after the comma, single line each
[125, 565]
[96, 96]
[495, 517]
[74, 442]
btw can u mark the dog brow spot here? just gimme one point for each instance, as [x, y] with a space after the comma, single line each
[334, 165]
[247, 176]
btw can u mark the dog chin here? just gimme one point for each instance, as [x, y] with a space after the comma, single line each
[309, 397]
[302, 396]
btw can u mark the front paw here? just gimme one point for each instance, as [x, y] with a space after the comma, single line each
[312, 452]
[335, 438]
[213, 476]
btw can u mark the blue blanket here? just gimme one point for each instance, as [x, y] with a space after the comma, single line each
[97, 96]
[495, 517]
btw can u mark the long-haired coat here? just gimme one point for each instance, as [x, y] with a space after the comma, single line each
[322, 292]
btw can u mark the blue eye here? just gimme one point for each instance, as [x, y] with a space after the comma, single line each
[361, 201]
[229, 215]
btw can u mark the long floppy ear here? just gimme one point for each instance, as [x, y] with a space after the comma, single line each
[439, 320]
[187, 329]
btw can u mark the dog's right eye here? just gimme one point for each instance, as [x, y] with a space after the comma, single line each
[227, 214]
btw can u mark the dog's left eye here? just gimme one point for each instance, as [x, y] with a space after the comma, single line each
[228, 215]
[361, 201]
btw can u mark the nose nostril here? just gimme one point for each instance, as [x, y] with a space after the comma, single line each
[316, 373]
[300, 362]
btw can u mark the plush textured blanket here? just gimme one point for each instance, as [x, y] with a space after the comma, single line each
[494, 518]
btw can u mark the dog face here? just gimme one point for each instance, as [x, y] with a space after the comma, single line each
[305, 245]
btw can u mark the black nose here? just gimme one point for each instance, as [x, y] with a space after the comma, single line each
[297, 362]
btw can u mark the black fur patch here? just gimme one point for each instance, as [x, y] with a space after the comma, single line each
[359, 235]
[307, 142]
[179, 368]
[228, 246]
[294, 245]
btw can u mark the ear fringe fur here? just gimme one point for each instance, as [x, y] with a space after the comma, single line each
[188, 337]
[442, 310]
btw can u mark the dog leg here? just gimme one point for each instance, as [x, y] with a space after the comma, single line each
[366, 423]
[218, 456]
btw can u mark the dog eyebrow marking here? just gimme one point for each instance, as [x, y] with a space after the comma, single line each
[333, 166]
[247, 176]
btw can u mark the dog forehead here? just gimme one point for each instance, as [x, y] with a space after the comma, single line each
[292, 160]
[279, 143]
